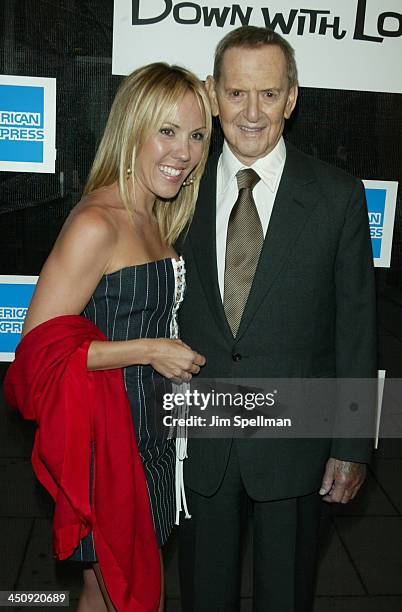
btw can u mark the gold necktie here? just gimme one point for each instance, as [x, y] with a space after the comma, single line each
[243, 247]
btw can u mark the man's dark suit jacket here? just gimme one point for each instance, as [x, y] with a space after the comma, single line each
[310, 313]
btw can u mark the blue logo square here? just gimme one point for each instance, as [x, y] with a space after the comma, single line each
[376, 205]
[14, 301]
[21, 123]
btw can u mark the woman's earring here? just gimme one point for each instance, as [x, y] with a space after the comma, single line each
[128, 173]
[188, 181]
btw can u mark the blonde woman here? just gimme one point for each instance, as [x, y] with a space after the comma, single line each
[114, 262]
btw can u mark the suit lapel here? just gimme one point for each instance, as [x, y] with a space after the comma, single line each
[202, 237]
[296, 198]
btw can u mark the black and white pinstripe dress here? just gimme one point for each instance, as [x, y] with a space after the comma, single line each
[141, 301]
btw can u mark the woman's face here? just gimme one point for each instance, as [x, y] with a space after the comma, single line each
[168, 157]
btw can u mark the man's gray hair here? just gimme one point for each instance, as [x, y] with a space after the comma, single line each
[250, 37]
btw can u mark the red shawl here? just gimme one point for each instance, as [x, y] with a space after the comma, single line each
[49, 383]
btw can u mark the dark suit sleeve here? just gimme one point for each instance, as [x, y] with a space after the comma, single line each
[355, 330]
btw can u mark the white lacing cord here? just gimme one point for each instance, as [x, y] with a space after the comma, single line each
[181, 455]
[182, 411]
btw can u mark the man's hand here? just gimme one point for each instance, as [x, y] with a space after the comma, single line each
[342, 480]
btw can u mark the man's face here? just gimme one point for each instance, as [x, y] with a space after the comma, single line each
[252, 99]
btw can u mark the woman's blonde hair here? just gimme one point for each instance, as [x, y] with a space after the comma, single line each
[146, 99]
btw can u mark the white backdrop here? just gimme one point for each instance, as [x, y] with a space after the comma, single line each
[340, 44]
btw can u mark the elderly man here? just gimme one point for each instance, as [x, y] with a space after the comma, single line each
[280, 284]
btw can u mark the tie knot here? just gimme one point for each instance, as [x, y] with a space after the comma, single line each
[247, 179]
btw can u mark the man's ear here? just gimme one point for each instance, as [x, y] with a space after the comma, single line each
[211, 89]
[291, 101]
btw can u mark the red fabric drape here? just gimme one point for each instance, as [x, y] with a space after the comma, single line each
[48, 382]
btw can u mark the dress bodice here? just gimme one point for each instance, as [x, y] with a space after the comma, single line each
[142, 301]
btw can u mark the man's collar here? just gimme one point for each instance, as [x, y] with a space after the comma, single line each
[229, 166]
[268, 167]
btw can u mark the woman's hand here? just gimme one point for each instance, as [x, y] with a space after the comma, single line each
[174, 359]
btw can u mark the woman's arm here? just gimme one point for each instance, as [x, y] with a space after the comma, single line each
[74, 268]
[171, 358]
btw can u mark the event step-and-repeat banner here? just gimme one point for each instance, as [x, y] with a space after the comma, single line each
[340, 44]
[16, 294]
[27, 123]
[381, 205]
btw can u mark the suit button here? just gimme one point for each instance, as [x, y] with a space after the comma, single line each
[236, 357]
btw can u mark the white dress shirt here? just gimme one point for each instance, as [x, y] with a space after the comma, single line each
[269, 169]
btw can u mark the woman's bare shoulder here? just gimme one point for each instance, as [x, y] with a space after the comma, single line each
[95, 217]
[83, 252]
